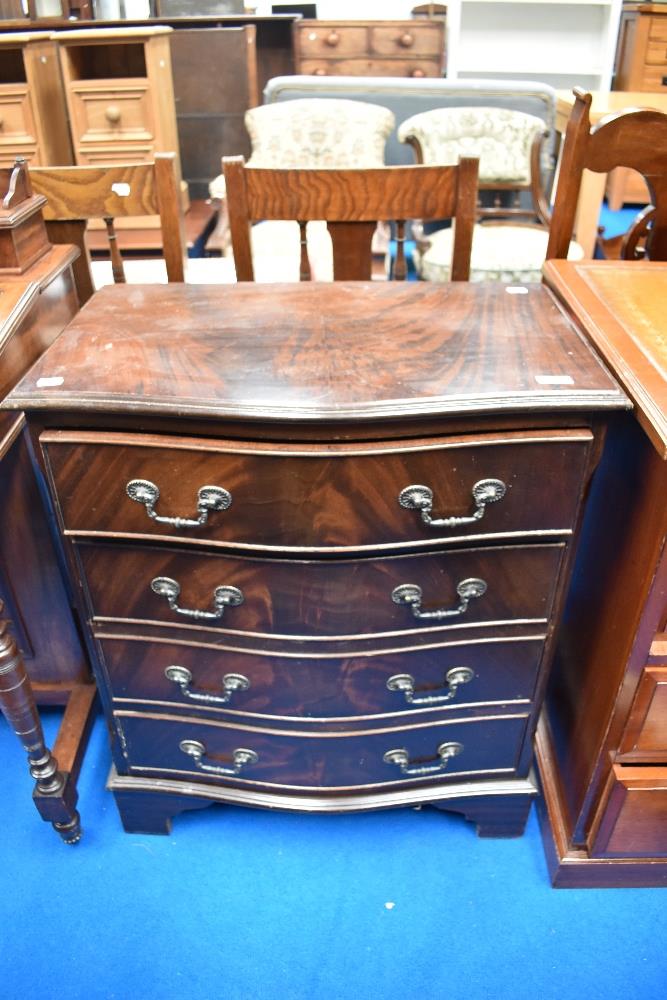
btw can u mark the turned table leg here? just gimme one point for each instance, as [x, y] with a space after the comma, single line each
[54, 796]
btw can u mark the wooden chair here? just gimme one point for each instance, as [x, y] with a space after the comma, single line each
[510, 241]
[77, 194]
[636, 139]
[352, 202]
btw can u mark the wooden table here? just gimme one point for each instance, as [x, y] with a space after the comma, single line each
[320, 536]
[602, 746]
[592, 184]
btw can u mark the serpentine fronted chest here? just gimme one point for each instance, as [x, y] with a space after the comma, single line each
[320, 536]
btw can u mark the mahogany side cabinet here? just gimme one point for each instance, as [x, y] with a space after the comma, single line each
[602, 740]
[319, 536]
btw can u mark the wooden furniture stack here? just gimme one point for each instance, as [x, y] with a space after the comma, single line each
[120, 94]
[319, 536]
[602, 743]
[33, 116]
[369, 48]
[641, 65]
[37, 299]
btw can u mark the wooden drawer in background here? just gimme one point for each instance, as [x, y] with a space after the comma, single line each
[282, 684]
[305, 496]
[645, 737]
[324, 598]
[319, 760]
[109, 111]
[633, 812]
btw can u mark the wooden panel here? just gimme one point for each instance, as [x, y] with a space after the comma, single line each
[656, 53]
[330, 38]
[17, 124]
[320, 761]
[118, 111]
[325, 686]
[336, 597]
[645, 738]
[401, 39]
[633, 814]
[355, 350]
[620, 305]
[407, 67]
[305, 496]
[658, 29]
[654, 79]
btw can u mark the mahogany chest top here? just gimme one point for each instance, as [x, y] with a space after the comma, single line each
[305, 353]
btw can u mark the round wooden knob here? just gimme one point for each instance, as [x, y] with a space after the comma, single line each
[112, 114]
[406, 40]
[417, 73]
[332, 39]
[320, 72]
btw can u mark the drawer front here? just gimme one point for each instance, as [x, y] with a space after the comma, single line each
[17, 125]
[105, 112]
[416, 40]
[654, 79]
[226, 679]
[311, 599]
[633, 814]
[658, 29]
[410, 67]
[96, 156]
[656, 53]
[10, 150]
[645, 737]
[340, 497]
[331, 40]
[304, 760]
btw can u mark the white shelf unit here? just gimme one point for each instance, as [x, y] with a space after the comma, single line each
[560, 43]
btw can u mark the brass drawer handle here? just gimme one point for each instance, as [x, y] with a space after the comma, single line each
[401, 758]
[230, 684]
[454, 678]
[112, 114]
[208, 498]
[223, 597]
[240, 758]
[420, 498]
[411, 594]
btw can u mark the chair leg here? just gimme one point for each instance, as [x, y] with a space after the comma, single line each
[54, 795]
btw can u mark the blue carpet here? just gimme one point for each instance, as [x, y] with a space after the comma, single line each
[242, 904]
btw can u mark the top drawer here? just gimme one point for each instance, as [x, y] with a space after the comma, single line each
[332, 40]
[401, 40]
[317, 496]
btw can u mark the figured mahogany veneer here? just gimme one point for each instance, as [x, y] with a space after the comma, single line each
[320, 686]
[318, 598]
[316, 496]
[319, 760]
[287, 684]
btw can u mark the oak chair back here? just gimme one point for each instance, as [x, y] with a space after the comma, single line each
[352, 202]
[636, 139]
[77, 194]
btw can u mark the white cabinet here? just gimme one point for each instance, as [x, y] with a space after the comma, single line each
[560, 43]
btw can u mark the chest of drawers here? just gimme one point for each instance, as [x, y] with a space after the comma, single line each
[320, 536]
[369, 48]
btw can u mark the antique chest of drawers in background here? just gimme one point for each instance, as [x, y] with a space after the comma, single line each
[33, 117]
[120, 93]
[320, 536]
[369, 48]
[641, 65]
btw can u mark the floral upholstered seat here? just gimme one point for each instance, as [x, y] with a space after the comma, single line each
[312, 133]
[509, 145]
